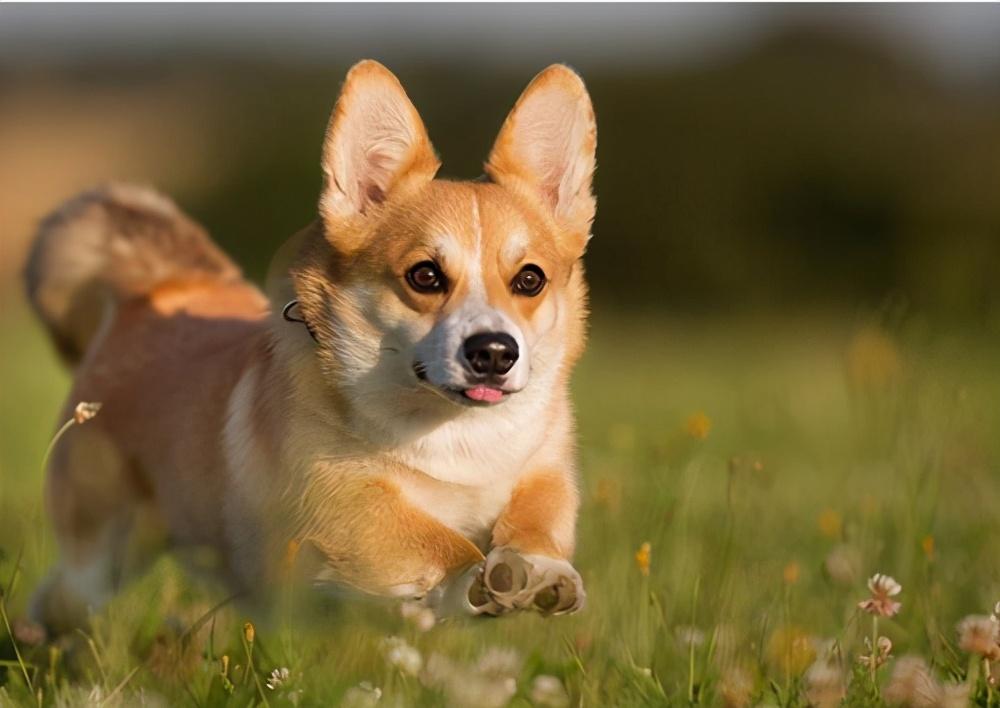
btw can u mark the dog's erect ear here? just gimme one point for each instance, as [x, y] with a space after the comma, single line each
[375, 143]
[547, 146]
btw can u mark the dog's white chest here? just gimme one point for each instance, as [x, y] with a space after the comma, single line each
[469, 470]
[471, 511]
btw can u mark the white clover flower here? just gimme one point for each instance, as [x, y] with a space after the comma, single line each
[278, 678]
[825, 685]
[882, 588]
[85, 411]
[878, 655]
[418, 615]
[549, 692]
[364, 695]
[403, 656]
[977, 634]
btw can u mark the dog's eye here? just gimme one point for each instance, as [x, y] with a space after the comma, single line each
[529, 281]
[425, 277]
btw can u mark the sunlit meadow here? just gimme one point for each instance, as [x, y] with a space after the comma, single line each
[743, 481]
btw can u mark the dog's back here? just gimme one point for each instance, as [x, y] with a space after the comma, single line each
[158, 324]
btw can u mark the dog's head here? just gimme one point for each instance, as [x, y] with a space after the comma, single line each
[428, 295]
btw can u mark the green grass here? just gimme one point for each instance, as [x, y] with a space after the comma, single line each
[822, 438]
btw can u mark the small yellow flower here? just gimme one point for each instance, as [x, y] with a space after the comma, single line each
[85, 411]
[927, 544]
[608, 493]
[249, 632]
[643, 557]
[830, 524]
[791, 573]
[697, 426]
[790, 649]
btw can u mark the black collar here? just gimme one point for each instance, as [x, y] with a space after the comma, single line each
[286, 314]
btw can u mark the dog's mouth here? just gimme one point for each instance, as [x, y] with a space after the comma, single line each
[477, 394]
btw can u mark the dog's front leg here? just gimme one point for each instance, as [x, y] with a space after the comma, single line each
[533, 540]
[371, 538]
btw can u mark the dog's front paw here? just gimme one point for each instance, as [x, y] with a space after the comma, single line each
[515, 581]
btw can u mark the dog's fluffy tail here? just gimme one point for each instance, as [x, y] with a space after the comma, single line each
[108, 245]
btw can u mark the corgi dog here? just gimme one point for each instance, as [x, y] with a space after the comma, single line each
[404, 414]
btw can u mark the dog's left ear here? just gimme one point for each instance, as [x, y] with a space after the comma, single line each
[547, 149]
[375, 144]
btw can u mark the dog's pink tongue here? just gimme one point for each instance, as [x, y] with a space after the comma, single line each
[484, 393]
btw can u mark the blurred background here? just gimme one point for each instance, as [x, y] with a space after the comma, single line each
[750, 158]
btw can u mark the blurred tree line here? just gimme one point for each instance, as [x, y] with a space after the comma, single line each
[815, 168]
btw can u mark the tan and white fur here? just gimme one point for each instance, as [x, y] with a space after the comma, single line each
[415, 435]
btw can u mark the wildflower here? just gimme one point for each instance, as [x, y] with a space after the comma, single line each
[978, 634]
[877, 655]
[736, 687]
[791, 573]
[608, 494]
[697, 426]
[843, 565]
[249, 633]
[830, 524]
[883, 588]
[498, 662]
[418, 614]
[688, 636]
[912, 684]
[548, 691]
[791, 650]
[825, 686]
[364, 695]
[927, 546]
[85, 411]
[278, 678]
[401, 655]
[643, 557]
[490, 683]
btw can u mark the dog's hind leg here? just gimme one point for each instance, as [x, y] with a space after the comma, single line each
[102, 526]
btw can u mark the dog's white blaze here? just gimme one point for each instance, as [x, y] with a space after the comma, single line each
[477, 282]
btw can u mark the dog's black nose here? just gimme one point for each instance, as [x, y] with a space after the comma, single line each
[491, 353]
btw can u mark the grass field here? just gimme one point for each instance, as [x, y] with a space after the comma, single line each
[772, 465]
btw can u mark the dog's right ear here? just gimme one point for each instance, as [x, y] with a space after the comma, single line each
[375, 144]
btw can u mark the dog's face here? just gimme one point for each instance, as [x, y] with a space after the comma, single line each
[429, 295]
